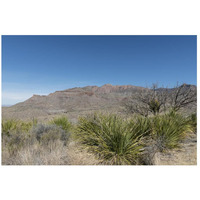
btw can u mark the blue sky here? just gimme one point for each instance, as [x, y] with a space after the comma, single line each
[44, 64]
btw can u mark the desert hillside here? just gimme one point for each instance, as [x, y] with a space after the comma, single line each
[74, 102]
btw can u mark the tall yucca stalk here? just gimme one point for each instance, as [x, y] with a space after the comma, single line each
[112, 139]
[169, 130]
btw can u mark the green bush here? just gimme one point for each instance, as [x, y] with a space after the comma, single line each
[110, 138]
[9, 126]
[62, 122]
[169, 129]
[193, 122]
[143, 128]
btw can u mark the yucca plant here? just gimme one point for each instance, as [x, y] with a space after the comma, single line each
[193, 122]
[8, 126]
[143, 128]
[169, 130]
[154, 106]
[62, 122]
[110, 138]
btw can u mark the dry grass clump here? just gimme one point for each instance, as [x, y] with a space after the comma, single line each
[41, 145]
[37, 154]
[79, 156]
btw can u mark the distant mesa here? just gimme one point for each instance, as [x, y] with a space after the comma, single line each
[73, 102]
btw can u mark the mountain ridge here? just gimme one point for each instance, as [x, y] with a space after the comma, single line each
[73, 101]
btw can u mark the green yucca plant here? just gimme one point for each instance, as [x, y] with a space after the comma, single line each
[62, 122]
[193, 122]
[8, 126]
[143, 128]
[169, 130]
[154, 106]
[110, 138]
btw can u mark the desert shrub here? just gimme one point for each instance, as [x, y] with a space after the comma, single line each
[14, 141]
[62, 122]
[168, 130]
[48, 134]
[193, 122]
[110, 138]
[9, 126]
[37, 154]
[15, 135]
[143, 128]
[25, 126]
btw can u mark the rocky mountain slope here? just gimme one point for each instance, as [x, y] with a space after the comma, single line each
[72, 102]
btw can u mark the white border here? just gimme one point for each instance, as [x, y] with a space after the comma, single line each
[105, 17]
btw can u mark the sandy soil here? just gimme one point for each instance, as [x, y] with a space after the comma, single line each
[186, 155]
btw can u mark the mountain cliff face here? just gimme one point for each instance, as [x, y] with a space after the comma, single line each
[73, 102]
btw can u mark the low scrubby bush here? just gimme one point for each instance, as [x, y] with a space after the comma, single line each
[14, 141]
[15, 135]
[46, 134]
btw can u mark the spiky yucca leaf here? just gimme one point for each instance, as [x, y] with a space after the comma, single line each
[110, 138]
[8, 126]
[169, 130]
[62, 122]
[193, 122]
[143, 128]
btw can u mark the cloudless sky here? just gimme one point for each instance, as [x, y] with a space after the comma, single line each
[44, 64]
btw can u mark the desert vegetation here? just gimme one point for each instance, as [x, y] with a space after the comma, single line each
[107, 139]
[155, 100]
[31, 143]
[153, 123]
